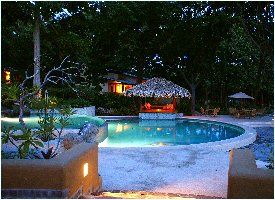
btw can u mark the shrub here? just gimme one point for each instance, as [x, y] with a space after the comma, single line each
[9, 94]
[75, 103]
[270, 158]
[48, 119]
[184, 106]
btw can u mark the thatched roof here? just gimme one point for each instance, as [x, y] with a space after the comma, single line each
[157, 87]
[240, 95]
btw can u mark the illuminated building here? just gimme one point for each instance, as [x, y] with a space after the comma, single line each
[119, 82]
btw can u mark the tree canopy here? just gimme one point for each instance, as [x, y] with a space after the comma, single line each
[213, 48]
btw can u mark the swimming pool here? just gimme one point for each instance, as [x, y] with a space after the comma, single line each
[77, 121]
[134, 132]
[138, 133]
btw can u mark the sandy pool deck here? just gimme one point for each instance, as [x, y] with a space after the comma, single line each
[187, 171]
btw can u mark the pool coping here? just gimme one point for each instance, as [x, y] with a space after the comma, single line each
[248, 137]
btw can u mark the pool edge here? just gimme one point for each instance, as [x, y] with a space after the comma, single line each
[248, 137]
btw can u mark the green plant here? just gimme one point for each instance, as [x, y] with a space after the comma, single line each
[47, 117]
[9, 94]
[27, 137]
[50, 115]
[76, 102]
[49, 154]
[184, 107]
[270, 158]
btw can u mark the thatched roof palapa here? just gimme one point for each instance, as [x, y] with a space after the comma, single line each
[157, 87]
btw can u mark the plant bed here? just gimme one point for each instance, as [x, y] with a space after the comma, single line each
[68, 175]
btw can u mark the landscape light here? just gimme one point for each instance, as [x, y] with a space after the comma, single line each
[85, 169]
[8, 77]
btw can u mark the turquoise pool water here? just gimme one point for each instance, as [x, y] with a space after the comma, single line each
[133, 133]
[77, 121]
[137, 132]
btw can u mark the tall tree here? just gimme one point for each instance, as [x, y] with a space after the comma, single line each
[257, 19]
[36, 42]
[194, 38]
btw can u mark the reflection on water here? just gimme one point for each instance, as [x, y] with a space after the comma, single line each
[167, 132]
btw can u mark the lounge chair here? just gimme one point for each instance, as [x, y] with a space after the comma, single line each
[147, 106]
[215, 112]
[171, 106]
[202, 111]
[253, 113]
[233, 111]
[166, 107]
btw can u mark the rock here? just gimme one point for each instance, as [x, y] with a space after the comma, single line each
[75, 138]
[67, 144]
[89, 132]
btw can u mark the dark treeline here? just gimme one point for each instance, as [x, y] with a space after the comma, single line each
[213, 49]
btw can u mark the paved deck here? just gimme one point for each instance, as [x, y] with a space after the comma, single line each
[165, 170]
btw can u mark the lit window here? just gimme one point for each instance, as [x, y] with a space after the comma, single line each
[119, 88]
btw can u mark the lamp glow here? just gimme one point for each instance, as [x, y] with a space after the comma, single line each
[119, 128]
[85, 169]
[119, 88]
[8, 77]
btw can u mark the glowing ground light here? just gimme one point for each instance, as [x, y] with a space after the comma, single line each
[85, 167]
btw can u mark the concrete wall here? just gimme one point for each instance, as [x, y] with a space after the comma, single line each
[103, 132]
[245, 180]
[90, 111]
[59, 177]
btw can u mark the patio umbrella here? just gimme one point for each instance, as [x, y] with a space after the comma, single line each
[157, 87]
[240, 95]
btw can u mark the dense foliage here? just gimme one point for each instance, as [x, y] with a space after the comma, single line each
[36, 143]
[213, 49]
[105, 103]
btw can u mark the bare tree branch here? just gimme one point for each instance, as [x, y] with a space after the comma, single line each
[66, 77]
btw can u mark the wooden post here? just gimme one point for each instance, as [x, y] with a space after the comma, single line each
[174, 102]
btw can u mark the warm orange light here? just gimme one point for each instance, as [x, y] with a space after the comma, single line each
[159, 129]
[126, 87]
[7, 77]
[138, 195]
[119, 88]
[119, 128]
[85, 169]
